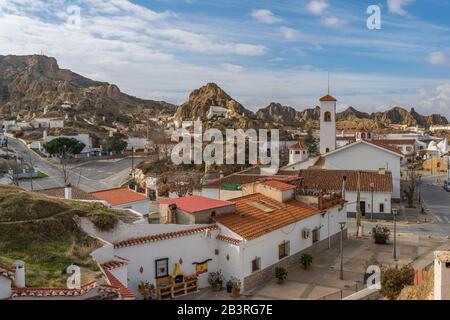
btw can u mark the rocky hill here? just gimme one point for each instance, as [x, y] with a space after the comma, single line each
[200, 101]
[30, 83]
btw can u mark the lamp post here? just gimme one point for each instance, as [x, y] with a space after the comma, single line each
[395, 213]
[342, 225]
[372, 186]
[420, 188]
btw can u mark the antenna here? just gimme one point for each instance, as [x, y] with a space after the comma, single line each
[328, 82]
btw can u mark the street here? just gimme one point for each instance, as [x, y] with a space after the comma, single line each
[90, 176]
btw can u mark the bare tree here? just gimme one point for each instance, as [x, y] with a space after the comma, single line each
[411, 185]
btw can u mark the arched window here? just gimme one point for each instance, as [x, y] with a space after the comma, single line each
[363, 135]
[327, 116]
[368, 135]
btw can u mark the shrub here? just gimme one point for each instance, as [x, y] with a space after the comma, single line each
[104, 222]
[281, 273]
[306, 259]
[393, 280]
[380, 234]
[236, 283]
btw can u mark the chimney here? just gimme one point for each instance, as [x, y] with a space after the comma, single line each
[68, 192]
[442, 275]
[19, 277]
[44, 135]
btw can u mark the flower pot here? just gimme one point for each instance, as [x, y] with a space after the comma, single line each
[236, 293]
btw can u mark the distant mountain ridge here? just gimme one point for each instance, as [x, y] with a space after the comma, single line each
[30, 83]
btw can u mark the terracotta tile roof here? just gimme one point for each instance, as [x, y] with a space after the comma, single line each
[115, 283]
[396, 141]
[279, 185]
[53, 292]
[119, 196]
[194, 204]
[77, 194]
[385, 146]
[251, 222]
[242, 179]
[300, 145]
[228, 239]
[7, 272]
[328, 98]
[331, 180]
[163, 236]
[113, 264]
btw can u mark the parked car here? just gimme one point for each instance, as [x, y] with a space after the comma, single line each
[447, 185]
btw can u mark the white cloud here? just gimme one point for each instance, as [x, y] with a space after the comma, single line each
[397, 6]
[331, 22]
[317, 6]
[234, 68]
[438, 101]
[290, 34]
[265, 16]
[437, 57]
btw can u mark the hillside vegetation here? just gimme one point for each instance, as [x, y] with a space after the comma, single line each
[43, 233]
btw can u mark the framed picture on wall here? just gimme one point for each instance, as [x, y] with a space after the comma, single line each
[161, 268]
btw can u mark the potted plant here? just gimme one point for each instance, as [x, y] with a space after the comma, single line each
[380, 234]
[147, 290]
[306, 259]
[281, 274]
[236, 288]
[215, 280]
[229, 286]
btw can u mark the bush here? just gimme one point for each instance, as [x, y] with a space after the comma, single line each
[281, 274]
[104, 222]
[306, 259]
[393, 280]
[381, 234]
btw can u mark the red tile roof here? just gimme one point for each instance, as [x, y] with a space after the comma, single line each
[331, 180]
[119, 196]
[194, 204]
[53, 292]
[279, 185]
[7, 272]
[250, 221]
[385, 146]
[113, 264]
[77, 194]
[300, 145]
[163, 236]
[228, 239]
[242, 179]
[124, 291]
[328, 98]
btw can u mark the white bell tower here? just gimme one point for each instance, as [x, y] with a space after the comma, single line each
[327, 124]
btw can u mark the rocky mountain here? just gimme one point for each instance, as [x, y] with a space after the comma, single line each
[30, 83]
[275, 112]
[200, 101]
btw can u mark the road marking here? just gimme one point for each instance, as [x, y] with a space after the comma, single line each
[439, 219]
[446, 219]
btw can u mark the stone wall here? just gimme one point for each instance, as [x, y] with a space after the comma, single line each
[261, 277]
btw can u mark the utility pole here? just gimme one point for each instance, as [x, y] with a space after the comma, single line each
[394, 213]
[342, 225]
[358, 206]
[372, 186]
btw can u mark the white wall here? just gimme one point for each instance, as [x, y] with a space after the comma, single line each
[5, 288]
[327, 129]
[211, 193]
[142, 207]
[362, 156]
[378, 197]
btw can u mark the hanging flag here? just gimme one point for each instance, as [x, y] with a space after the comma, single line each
[201, 267]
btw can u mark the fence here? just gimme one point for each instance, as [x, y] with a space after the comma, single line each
[347, 291]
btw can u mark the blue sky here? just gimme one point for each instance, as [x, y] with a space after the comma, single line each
[258, 51]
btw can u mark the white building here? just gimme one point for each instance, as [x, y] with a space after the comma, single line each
[122, 198]
[47, 123]
[138, 143]
[369, 156]
[269, 228]
[215, 111]
[442, 275]
[327, 124]
[298, 152]
[83, 137]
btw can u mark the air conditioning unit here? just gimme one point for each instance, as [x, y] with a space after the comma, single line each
[306, 233]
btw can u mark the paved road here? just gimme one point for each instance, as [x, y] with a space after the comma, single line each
[92, 176]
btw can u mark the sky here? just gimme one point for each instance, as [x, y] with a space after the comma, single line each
[257, 51]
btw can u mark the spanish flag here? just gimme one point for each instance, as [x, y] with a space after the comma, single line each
[201, 267]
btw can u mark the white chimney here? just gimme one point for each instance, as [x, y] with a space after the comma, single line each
[68, 192]
[442, 275]
[44, 136]
[19, 277]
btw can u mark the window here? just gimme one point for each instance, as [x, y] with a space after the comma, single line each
[327, 116]
[213, 214]
[381, 207]
[297, 152]
[327, 150]
[315, 235]
[161, 268]
[283, 250]
[256, 264]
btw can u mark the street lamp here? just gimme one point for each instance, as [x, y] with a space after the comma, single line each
[372, 186]
[342, 225]
[395, 213]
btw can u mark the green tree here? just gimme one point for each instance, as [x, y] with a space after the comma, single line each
[115, 144]
[310, 141]
[64, 146]
[393, 280]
